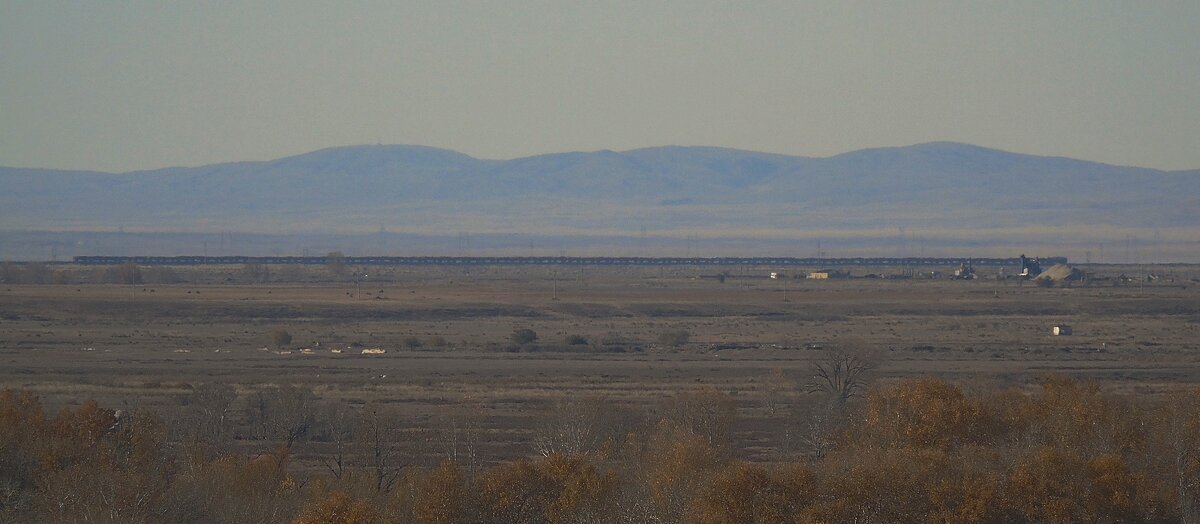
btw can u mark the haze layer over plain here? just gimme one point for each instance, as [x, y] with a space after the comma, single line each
[139, 85]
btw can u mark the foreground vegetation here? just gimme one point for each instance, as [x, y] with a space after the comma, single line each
[905, 451]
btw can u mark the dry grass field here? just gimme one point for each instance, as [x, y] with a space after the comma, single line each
[449, 354]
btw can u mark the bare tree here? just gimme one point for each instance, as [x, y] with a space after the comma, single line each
[775, 384]
[462, 434]
[376, 442]
[581, 426]
[209, 415]
[836, 379]
[284, 413]
[336, 424]
[706, 413]
[840, 375]
[1178, 435]
[814, 428]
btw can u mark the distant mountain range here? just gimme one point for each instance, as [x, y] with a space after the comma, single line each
[670, 191]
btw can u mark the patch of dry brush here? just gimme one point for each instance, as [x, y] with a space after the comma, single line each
[908, 451]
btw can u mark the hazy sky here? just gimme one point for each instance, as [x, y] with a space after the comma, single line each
[142, 84]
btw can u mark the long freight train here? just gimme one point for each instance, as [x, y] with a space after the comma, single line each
[565, 261]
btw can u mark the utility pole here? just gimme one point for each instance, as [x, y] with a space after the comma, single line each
[1157, 248]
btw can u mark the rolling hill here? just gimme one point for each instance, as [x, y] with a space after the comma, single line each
[937, 187]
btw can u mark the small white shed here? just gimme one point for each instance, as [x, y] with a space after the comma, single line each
[1061, 329]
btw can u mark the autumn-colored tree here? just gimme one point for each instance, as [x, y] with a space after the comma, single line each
[672, 467]
[1009, 417]
[22, 427]
[1052, 485]
[749, 493]
[906, 485]
[235, 488]
[442, 496]
[339, 507]
[142, 452]
[1059, 485]
[584, 490]
[1071, 414]
[516, 492]
[970, 489]
[922, 412]
[73, 434]
[100, 465]
[559, 488]
[1119, 493]
[921, 450]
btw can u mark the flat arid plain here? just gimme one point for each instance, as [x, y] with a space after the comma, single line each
[632, 337]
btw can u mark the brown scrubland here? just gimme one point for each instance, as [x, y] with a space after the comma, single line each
[920, 449]
[230, 394]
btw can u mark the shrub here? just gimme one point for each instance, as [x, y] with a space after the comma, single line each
[412, 342]
[523, 336]
[577, 340]
[280, 338]
[674, 338]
